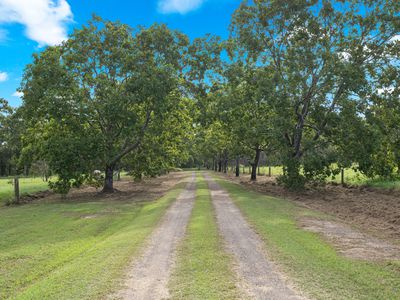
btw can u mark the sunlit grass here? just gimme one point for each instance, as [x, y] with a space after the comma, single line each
[351, 177]
[72, 250]
[27, 186]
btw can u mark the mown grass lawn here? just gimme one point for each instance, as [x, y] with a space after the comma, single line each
[72, 250]
[204, 270]
[27, 186]
[312, 264]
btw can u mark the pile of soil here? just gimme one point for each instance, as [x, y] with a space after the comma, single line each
[373, 210]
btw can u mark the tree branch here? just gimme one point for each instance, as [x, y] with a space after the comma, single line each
[134, 146]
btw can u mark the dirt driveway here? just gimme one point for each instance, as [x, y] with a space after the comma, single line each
[259, 277]
[149, 275]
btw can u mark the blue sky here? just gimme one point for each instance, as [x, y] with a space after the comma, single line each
[28, 26]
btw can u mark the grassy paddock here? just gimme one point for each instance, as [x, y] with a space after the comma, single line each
[27, 185]
[313, 264]
[264, 171]
[203, 269]
[351, 177]
[72, 250]
[356, 178]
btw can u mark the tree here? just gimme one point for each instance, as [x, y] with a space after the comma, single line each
[5, 147]
[217, 142]
[203, 68]
[100, 93]
[248, 109]
[166, 145]
[323, 53]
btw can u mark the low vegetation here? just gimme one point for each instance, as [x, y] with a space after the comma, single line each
[72, 250]
[27, 186]
[351, 177]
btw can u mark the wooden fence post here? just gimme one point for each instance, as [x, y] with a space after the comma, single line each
[16, 189]
[269, 171]
[342, 177]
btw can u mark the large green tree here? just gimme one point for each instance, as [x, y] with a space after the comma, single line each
[95, 97]
[247, 109]
[324, 53]
[6, 154]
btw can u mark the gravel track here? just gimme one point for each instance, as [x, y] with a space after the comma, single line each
[260, 279]
[149, 275]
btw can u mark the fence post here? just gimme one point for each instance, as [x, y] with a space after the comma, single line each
[342, 177]
[16, 189]
[269, 171]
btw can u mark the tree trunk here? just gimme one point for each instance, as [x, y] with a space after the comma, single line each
[220, 165]
[225, 162]
[254, 165]
[237, 167]
[109, 180]
[26, 171]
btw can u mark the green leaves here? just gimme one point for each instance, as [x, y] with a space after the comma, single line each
[322, 57]
[101, 94]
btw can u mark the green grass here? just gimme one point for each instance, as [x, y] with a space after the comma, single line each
[203, 269]
[72, 250]
[27, 185]
[313, 264]
[384, 184]
[351, 177]
[264, 171]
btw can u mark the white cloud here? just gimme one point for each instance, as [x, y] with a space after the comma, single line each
[178, 6]
[385, 91]
[3, 76]
[345, 56]
[18, 94]
[44, 20]
[395, 38]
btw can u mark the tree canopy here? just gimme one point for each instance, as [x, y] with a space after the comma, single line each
[297, 82]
